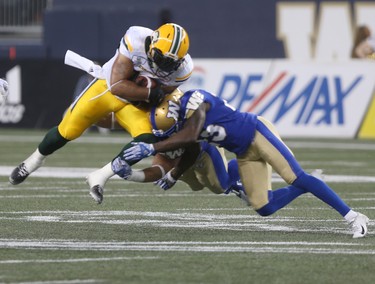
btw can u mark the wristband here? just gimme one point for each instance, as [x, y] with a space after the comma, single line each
[169, 176]
[149, 93]
[161, 169]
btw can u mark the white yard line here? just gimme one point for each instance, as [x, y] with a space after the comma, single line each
[73, 172]
[202, 221]
[72, 260]
[255, 247]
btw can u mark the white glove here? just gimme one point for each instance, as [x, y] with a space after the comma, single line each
[4, 89]
[166, 182]
[96, 71]
[138, 151]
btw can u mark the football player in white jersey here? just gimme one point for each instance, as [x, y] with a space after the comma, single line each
[161, 54]
[256, 143]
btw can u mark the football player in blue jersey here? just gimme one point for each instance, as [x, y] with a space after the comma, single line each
[161, 54]
[257, 145]
[206, 166]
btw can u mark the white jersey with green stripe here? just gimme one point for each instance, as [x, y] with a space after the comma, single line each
[132, 45]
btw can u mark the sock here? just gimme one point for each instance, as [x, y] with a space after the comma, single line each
[100, 177]
[322, 191]
[350, 216]
[279, 198]
[51, 142]
[233, 172]
[219, 166]
[34, 161]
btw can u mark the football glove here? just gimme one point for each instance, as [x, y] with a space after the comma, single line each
[155, 96]
[96, 71]
[166, 182]
[121, 168]
[4, 89]
[139, 151]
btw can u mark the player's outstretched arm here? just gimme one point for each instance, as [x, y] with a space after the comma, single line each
[187, 136]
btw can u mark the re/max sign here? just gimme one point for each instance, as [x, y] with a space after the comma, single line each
[320, 99]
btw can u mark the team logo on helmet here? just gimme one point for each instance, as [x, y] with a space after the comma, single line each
[164, 117]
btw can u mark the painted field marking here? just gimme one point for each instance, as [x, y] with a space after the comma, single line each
[72, 260]
[255, 247]
[72, 172]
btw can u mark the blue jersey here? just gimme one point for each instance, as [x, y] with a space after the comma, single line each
[224, 126]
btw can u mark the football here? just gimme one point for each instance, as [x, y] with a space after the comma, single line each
[145, 81]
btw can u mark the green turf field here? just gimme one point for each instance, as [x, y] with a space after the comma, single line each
[51, 231]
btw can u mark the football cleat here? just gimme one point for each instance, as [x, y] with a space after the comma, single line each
[97, 180]
[31, 164]
[19, 174]
[359, 226]
[96, 192]
[239, 191]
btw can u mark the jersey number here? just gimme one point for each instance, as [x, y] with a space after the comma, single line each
[214, 133]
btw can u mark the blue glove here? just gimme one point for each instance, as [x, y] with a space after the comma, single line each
[166, 182]
[121, 168]
[139, 151]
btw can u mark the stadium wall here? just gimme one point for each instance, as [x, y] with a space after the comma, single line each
[309, 99]
[217, 28]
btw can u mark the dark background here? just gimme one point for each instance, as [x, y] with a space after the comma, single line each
[93, 28]
[217, 28]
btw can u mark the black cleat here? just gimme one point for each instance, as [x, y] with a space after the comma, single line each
[239, 190]
[96, 192]
[19, 174]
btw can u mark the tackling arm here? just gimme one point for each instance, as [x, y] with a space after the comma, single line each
[187, 160]
[160, 165]
[188, 135]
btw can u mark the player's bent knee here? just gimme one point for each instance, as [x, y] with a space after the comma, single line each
[70, 133]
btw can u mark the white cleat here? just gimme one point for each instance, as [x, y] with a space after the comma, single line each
[359, 226]
[97, 180]
[96, 187]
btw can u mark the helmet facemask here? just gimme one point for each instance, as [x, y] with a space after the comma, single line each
[164, 62]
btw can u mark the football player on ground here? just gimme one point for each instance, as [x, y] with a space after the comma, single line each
[161, 54]
[206, 166]
[256, 143]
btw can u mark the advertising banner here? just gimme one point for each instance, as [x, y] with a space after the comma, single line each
[39, 92]
[311, 99]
